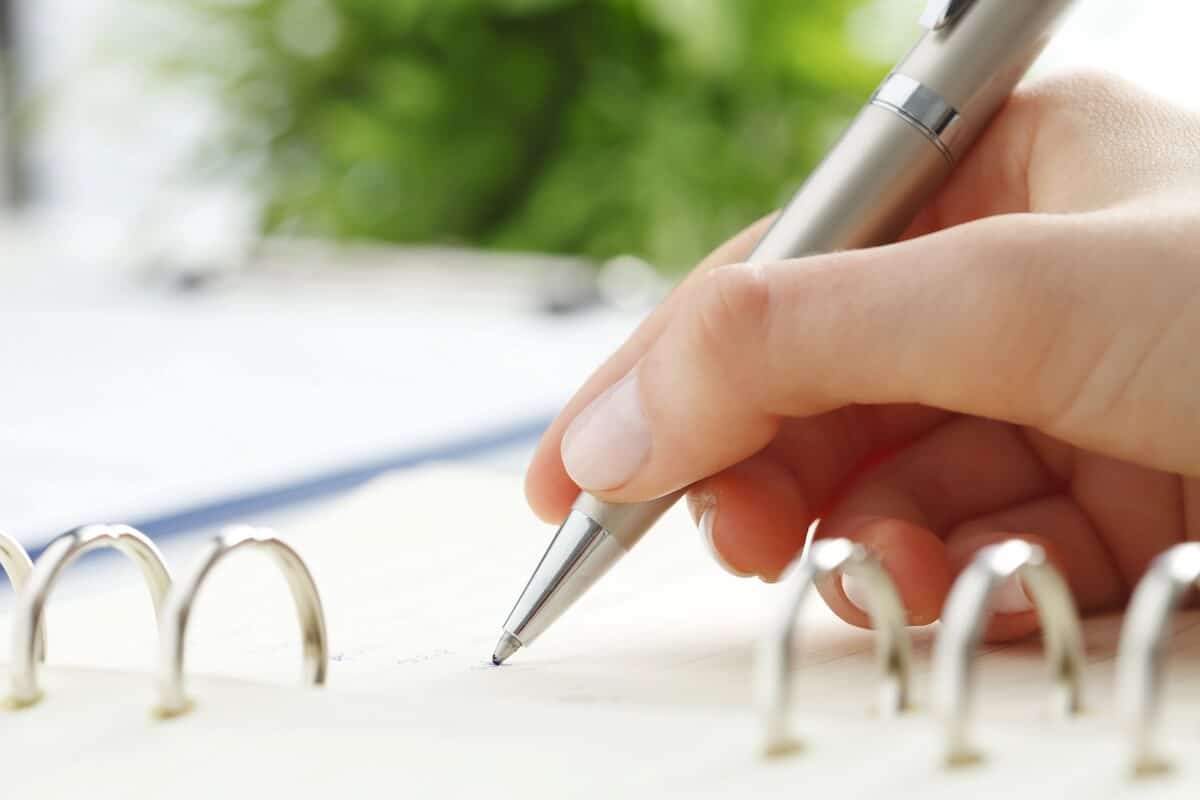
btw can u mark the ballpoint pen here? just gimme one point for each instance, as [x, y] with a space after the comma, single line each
[887, 165]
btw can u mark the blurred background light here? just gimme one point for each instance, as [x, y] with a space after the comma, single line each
[179, 131]
[247, 242]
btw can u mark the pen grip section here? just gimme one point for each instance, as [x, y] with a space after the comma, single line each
[626, 522]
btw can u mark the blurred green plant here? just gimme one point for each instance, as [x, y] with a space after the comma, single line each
[593, 127]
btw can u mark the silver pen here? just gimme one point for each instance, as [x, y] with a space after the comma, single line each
[887, 165]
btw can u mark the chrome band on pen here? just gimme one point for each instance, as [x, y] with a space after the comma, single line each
[921, 107]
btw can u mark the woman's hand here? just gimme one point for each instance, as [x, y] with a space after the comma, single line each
[1026, 361]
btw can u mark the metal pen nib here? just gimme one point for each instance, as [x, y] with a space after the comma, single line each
[591, 539]
[507, 645]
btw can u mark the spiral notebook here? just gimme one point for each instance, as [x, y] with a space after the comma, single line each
[644, 690]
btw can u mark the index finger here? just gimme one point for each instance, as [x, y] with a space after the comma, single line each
[548, 489]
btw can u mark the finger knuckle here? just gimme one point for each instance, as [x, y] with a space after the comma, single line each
[1074, 87]
[1019, 290]
[730, 323]
[1071, 106]
[734, 306]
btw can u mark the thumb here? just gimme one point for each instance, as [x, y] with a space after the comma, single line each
[956, 320]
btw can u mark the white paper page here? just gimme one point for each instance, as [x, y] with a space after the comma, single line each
[417, 573]
[247, 740]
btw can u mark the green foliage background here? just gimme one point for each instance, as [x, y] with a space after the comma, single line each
[594, 127]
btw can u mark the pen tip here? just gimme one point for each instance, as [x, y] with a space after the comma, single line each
[507, 645]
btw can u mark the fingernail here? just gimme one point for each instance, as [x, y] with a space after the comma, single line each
[609, 441]
[856, 592]
[1010, 598]
[707, 520]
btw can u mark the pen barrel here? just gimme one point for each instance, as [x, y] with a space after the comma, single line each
[864, 193]
[974, 63]
[902, 146]
[626, 522]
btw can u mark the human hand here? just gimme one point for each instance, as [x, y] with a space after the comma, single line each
[1023, 363]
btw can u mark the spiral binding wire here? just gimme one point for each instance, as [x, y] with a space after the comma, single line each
[825, 559]
[965, 618]
[1139, 675]
[1144, 634]
[178, 606]
[1140, 656]
[173, 600]
[15, 563]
